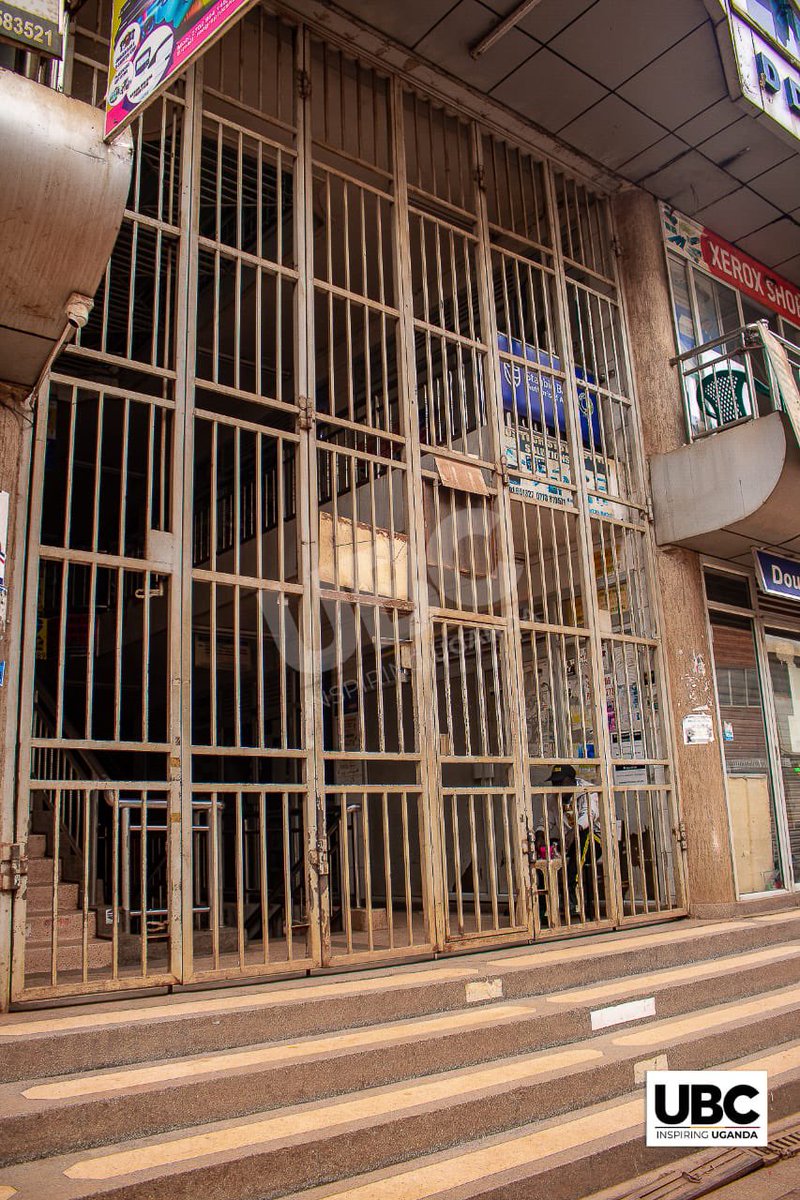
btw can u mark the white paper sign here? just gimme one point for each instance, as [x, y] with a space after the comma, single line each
[698, 729]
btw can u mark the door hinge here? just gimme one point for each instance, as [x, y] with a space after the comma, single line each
[307, 416]
[680, 835]
[13, 865]
[480, 178]
[304, 85]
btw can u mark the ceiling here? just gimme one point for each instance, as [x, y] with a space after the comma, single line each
[638, 86]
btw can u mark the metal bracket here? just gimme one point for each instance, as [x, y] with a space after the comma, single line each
[304, 85]
[480, 178]
[680, 835]
[13, 865]
[307, 415]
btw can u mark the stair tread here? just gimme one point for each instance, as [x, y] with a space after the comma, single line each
[166, 1156]
[322, 988]
[277, 1053]
[607, 969]
[517, 1084]
[440, 1174]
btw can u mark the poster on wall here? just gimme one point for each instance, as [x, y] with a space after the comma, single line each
[151, 42]
[706, 249]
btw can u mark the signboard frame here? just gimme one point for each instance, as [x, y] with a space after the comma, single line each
[41, 31]
[771, 588]
[709, 252]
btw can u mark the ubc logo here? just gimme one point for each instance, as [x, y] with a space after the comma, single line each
[687, 1108]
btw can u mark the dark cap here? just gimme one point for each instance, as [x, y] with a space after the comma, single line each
[561, 775]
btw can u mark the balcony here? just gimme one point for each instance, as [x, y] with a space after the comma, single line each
[736, 484]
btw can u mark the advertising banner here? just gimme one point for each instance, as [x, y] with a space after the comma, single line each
[706, 249]
[151, 42]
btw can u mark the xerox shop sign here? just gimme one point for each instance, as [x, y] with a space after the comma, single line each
[707, 249]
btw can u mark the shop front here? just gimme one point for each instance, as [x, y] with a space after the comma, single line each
[731, 493]
[756, 645]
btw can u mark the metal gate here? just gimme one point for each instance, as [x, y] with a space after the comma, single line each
[338, 549]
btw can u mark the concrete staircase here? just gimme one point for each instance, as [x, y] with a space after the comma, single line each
[512, 1074]
[39, 921]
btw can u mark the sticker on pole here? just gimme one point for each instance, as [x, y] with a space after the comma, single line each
[151, 42]
[706, 1108]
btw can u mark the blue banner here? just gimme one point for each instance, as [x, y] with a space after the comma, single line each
[540, 398]
[778, 576]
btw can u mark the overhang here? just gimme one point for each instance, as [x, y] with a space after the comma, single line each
[638, 87]
[729, 492]
[62, 196]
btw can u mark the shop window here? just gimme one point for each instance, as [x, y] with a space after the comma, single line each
[728, 589]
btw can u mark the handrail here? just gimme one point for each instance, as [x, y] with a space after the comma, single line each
[729, 380]
[752, 327]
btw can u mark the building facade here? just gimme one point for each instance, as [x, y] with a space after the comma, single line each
[344, 631]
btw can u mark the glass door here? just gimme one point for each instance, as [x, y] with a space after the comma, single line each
[783, 655]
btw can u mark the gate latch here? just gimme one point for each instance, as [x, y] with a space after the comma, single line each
[13, 866]
[318, 857]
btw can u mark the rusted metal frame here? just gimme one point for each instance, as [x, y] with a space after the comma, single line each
[360, 602]
[317, 880]
[24, 621]
[259, 430]
[120, 360]
[433, 876]
[589, 588]
[508, 622]
[228, 250]
[222, 389]
[249, 110]
[163, 403]
[180, 835]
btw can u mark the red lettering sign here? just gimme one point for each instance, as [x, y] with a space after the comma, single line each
[748, 275]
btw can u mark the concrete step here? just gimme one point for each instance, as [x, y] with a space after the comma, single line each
[101, 1107]
[531, 1150]
[39, 926]
[37, 845]
[40, 871]
[39, 896]
[70, 955]
[595, 1147]
[82, 1038]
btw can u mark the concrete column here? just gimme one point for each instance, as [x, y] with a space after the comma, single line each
[16, 424]
[699, 769]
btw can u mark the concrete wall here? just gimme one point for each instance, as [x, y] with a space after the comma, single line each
[689, 661]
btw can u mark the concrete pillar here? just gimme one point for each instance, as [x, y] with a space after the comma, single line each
[688, 655]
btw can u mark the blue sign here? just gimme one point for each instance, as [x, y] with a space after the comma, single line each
[778, 576]
[539, 398]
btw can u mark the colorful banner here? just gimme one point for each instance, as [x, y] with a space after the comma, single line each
[151, 42]
[705, 248]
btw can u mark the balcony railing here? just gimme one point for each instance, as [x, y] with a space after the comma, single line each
[730, 380]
